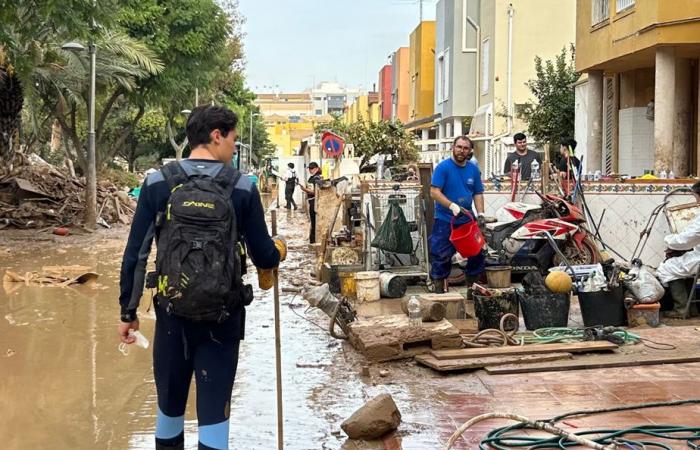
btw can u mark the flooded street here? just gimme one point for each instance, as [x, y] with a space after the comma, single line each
[65, 385]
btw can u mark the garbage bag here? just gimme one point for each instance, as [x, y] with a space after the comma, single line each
[644, 285]
[394, 235]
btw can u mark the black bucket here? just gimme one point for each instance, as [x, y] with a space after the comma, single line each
[544, 310]
[490, 310]
[605, 308]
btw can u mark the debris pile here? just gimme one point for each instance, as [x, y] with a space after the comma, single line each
[38, 195]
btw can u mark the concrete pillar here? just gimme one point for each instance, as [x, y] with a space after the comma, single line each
[664, 108]
[682, 126]
[441, 135]
[448, 131]
[594, 152]
[457, 126]
[425, 134]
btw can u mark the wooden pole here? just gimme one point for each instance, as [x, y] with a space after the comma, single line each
[278, 347]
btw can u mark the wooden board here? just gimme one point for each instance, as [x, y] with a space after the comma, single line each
[452, 365]
[579, 347]
[385, 338]
[594, 362]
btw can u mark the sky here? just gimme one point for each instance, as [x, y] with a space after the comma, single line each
[295, 44]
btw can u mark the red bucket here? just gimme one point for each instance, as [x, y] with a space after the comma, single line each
[467, 238]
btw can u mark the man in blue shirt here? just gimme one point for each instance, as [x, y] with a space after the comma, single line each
[456, 184]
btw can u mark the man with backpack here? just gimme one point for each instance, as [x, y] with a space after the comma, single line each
[201, 212]
[291, 181]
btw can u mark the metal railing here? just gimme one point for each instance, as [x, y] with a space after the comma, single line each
[624, 4]
[600, 11]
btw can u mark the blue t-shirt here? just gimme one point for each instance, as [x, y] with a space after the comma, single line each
[459, 184]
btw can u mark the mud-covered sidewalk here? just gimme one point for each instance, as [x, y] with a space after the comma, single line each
[64, 384]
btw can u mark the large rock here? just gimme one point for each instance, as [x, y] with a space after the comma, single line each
[376, 418]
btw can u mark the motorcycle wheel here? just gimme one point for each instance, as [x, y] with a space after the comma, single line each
[576, 257]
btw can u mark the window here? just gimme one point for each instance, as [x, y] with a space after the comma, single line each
[485, 65]
[624, 4]
[601, 11]
[319, 112]
[444, 76]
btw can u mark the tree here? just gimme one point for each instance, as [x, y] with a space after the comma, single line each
[551, 116]
[26, 28]
[381, 138]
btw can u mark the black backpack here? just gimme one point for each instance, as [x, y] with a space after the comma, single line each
[198, 264]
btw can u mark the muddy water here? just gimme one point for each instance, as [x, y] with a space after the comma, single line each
[63, 383]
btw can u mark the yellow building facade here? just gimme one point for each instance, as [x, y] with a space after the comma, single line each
[641, 60]
[287, 134]
[365, 108]
[421, 76]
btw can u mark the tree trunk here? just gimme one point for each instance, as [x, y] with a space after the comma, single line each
[56, 135]
[11, 101]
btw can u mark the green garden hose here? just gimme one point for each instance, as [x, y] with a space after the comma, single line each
[629, 438]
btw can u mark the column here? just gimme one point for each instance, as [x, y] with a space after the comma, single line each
[664, 108]
[424, 136]
[441, 135]
[594, 152]
[681, 125]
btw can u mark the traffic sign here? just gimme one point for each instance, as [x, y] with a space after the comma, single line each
[332, 144]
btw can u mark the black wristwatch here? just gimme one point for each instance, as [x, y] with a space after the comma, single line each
[128, 316]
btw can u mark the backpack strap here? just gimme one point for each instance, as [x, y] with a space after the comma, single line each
[174, 174]
[228, 178]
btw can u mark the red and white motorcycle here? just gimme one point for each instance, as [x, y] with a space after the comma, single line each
[519, 236]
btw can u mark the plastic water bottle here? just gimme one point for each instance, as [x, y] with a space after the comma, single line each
[671, 175]
[415, 317]
[535, 170]
[663, 175]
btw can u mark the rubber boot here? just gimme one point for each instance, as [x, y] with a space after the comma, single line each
[439, 286]
[471, 279]
[679, 295]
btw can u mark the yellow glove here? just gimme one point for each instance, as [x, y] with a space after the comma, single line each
[281, 245]
[266, 278]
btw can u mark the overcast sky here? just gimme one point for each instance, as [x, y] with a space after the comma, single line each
[296, 43]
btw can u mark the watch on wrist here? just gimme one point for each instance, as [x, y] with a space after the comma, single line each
[128, 316]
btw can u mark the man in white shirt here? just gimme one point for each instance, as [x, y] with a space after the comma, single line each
[291, 181]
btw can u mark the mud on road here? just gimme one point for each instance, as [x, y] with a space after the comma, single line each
[65, 385]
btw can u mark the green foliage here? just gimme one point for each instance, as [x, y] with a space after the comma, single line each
[381, 138]
[551, 116]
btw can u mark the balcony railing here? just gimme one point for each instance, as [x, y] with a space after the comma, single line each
[600, 11]
[624, 4]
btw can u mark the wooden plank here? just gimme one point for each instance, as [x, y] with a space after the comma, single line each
[452, 365]
[598, 362]
[578, 347]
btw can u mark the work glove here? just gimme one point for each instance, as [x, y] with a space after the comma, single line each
[266, 278]
[281, 245]
[454, 207]
[480, 220]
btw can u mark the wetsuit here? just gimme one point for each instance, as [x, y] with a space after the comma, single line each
[182, 347]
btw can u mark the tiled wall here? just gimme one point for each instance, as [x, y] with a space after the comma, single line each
[636, 134]
[626, 216]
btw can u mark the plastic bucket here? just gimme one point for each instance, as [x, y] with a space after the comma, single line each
[391, 285]
[498, 277]
[490, 310]
[545, 310]
[605, 308]
[367, 284]
[348, 287]
[467, 239]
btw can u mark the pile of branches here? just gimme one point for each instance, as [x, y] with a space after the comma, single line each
[37, 195]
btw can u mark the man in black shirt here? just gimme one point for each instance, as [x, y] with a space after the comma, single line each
[568, 163]
[524, 157]
[315, 178]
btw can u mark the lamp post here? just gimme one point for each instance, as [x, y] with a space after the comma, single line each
[250, 147]
[91, 175]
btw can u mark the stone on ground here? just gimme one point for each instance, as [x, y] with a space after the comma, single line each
[373, 420]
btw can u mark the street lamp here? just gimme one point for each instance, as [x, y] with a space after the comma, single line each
[91, 176]
[250, 147]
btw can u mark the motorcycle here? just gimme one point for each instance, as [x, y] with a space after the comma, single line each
[519, 238]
